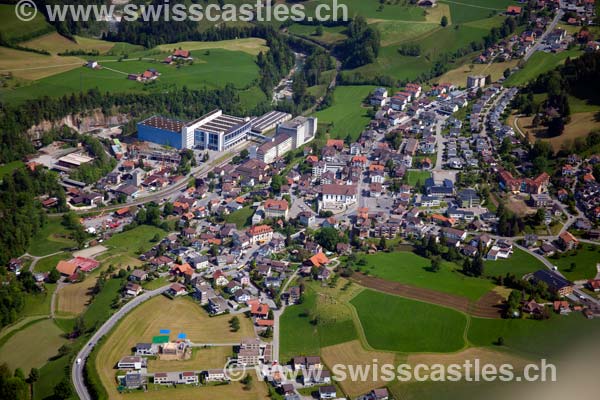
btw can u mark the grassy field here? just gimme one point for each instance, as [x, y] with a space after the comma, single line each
[473, 10]
[180, 315]
[39, 303]
[13, 29]
[397, 324]
[202, 358]
[32, 346]
[414, 177]
[300, 335]
[331, 35]
[411, 269]
[538, 64]
[252, 46]
[55, 43]
[74, 298]
[241, 218]
[533, 338]
[370, 9]
[346, 116]
[520, 263]
[53, 237]
[585, 260]
[47, 264]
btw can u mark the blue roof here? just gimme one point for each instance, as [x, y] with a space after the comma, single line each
[164, 331]
[181, 336]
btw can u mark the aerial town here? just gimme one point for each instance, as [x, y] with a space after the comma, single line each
[173, 242]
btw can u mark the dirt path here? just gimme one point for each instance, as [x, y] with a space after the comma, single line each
[485, 307]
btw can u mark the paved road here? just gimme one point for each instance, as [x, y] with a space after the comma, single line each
[541, 39]
[77, 369]
[276, 315]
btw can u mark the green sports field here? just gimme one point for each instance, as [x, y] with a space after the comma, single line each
[411, 269]
[346, 116]
[397, 324]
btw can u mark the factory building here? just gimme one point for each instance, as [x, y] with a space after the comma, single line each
[213, 131]
[301, 129]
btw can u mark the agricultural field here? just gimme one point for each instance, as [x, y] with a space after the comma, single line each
[347, 115]
[458, 76]
[412, 269]
[585, 260]
[580, 126]
[532, 338]
[179, 315]
[32, 346]
[519, 264]
[353, 353]
[252, 46]
[472, 10]
[405, 332]
[210, 70]
[13, 29]
[55, 43]
[323, 319]
[26, 66]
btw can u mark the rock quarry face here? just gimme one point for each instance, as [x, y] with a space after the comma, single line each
[82, 123]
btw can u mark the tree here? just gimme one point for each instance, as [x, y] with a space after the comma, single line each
[319, 31]
[276, 183]
[53, 276]
[328, 238]
[34, 375]
[500, 341]
[506, 73]
[436, 264]
[444, 21]
[244, 153]
[63, 389]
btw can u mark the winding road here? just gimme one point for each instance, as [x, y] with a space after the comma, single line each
[78, 367]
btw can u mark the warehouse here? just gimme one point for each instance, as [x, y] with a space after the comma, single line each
[301, 129]
[269, 121]
[163, 131]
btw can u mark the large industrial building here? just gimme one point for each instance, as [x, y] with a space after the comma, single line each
[301, 129]
[290, 136]
[213, 131]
